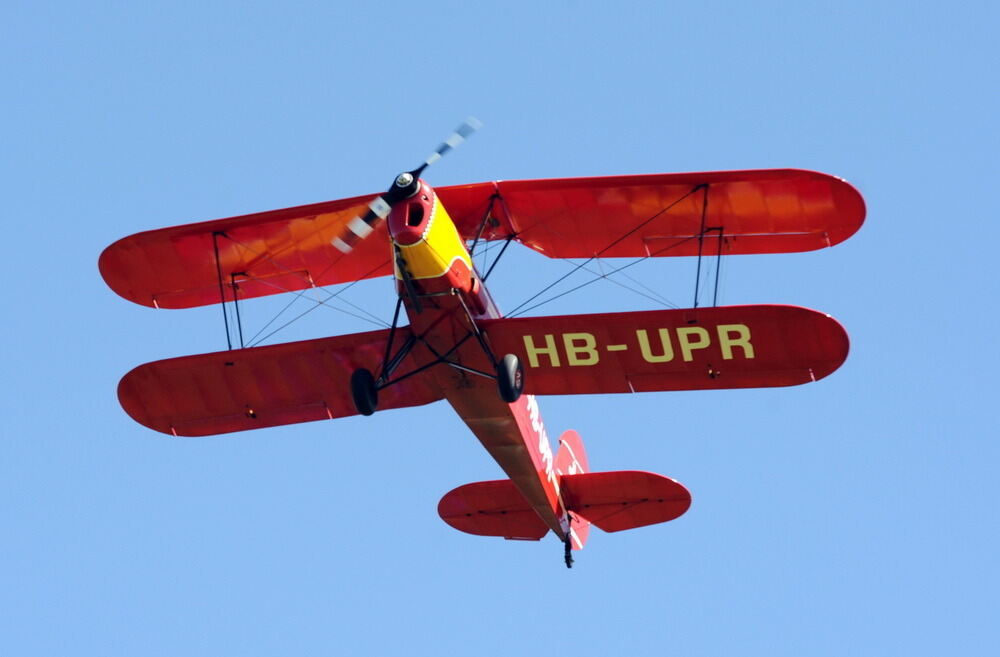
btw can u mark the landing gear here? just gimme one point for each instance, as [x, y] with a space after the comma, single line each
[568, 552]
[363, 391]
[365, 386]
[510, 378]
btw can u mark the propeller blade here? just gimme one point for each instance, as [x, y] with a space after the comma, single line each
[461, 133]
[404, 186]
[361, 227]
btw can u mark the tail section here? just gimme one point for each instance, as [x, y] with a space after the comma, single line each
[625, 499]
[497, 508]
[492, 508]
[571, 461]
[613, 501]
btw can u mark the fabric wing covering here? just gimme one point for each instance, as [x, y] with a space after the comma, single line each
[727, 213]
[263, 386]
[687, 349]
[768, 211]
[613, 501]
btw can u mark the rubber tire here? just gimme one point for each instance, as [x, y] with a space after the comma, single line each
[363, 391]
[510, 378]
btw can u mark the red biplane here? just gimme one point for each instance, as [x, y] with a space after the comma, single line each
[458, 346]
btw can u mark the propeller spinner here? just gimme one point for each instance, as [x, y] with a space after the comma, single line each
[403, 187]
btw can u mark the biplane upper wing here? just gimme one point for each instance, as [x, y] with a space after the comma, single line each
[696, 349]
[673, 214]
[264, 386]
[263, 253]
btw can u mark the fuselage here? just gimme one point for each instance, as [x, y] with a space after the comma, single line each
[444, 298]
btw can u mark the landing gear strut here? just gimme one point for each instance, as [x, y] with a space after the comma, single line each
[365, 386]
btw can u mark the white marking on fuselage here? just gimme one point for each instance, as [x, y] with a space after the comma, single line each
[544, 447]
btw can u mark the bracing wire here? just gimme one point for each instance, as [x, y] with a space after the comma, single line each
[518, 312]
[318, 303]
[371, 318]
[670, 206]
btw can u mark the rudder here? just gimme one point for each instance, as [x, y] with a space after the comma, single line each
[571, 460]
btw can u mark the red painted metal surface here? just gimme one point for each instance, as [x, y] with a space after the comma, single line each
[513, 434]
[660, 215]
[625, 500]
[699, 349]
[408, 221]
[516, 438]
[263, 386]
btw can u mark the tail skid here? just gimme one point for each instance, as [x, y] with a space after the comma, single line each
[613, 501]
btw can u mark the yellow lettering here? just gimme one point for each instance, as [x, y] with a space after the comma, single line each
[574, 350]
[647, 353]
[685, 336]
[548, 350]
[727, 341]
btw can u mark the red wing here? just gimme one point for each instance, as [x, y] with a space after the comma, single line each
[659, 215]
[269, 253]
[770, 211]
[704, 348]
[264, 386]
[492, 508]
[615, 501]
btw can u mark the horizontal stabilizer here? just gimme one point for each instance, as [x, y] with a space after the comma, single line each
[659, 350]
[491, 508]
[621, 500]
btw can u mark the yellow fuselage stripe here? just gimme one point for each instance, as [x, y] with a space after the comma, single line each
[439, 248]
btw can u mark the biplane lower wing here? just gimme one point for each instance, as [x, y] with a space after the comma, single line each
[264, 386]
[688, 349]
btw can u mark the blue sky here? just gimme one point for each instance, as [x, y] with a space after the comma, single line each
[852, 516]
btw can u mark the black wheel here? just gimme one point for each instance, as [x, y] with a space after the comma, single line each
[363, 391]
[510, 378]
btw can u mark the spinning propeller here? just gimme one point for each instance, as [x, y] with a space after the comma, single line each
[403, 187]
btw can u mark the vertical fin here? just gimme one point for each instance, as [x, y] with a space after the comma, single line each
[571, 459]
